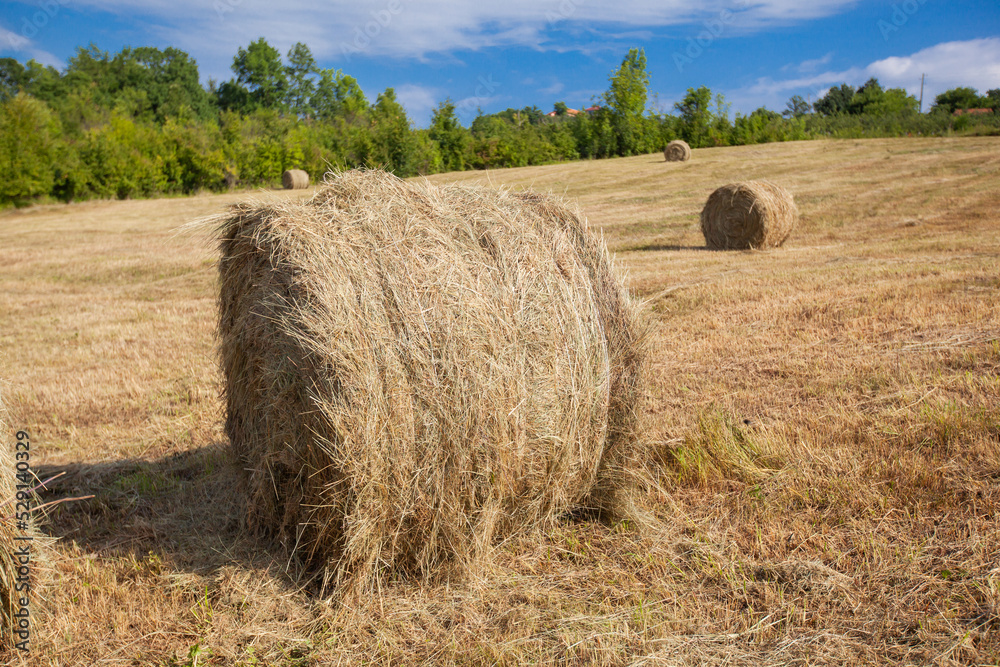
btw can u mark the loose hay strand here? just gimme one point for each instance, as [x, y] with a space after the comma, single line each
[413, 372]
[751, 214]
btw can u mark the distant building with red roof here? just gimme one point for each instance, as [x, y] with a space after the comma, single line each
[569, 112]
[576, 112]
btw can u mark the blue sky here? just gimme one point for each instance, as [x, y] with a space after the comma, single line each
[514, 53]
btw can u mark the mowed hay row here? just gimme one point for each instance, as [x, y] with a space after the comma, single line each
[294, 179]
[412, 372]
[751, 214]
[677, 151]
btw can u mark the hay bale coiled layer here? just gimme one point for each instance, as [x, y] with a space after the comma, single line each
[751, 214]
[294, 179]
[677, 151]
[414, 371]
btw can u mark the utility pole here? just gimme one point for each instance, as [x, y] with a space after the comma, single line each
[922, 92]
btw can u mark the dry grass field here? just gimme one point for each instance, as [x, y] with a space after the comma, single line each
[826, 418]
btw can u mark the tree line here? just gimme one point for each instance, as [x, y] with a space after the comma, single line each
[139, 123]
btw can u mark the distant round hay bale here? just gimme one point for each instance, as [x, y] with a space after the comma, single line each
[677, 151]
[295, 179]
[415, 371]
[752, 214]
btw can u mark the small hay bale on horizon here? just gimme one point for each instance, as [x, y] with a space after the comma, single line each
[295, 179]
[677, 151]
[413, 372]
[748, 215]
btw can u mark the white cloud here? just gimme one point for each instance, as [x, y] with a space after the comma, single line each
[211, 31]
[418, 101]
[810, 65]
[12, 41]
[16, 43]
[468, 108]
[554, 89]
[974, 63]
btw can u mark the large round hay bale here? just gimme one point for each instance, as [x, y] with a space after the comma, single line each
[295, 179]
[752, 214]
[414, 371]
[677, 151]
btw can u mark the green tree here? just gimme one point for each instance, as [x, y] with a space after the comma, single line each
[760, 126]
[720, 130]
[521, 117]
[193, 156]
[259, 68]
[324, 102]
[28, 150]
[765, 114]
[894, 101]
[873, 100]
[452, 139]
[992, 99]
[393, 141]
[796, 107]
[338, 95]
[301, 88]
[560, 108]
[232, 96]
[626, 101]
[426, 157]
[352, 99]
[46, 84]
[167, 80]
[91, 68]
[960, 98]
[837, 100]
[696, 115]
[12, 78]
[124, 158]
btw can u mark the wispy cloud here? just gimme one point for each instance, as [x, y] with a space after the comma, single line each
[810, 65]
[420, 28]
[21, 45]
[973, 63]
[417, 100]
[554, 89]
[469, 107]
[947, 65]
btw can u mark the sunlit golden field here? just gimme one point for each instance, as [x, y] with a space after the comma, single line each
[825, 417]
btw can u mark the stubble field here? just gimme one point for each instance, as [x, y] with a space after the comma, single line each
[825, 416]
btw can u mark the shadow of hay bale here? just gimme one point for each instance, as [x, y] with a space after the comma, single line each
[186, 508]
[663, 247]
